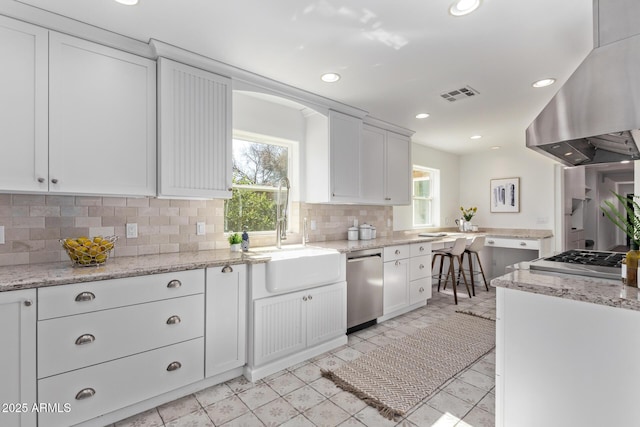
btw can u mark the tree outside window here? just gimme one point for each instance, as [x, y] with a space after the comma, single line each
[425, 190]
[258, 167]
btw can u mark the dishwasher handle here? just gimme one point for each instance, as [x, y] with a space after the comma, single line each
[364, 258]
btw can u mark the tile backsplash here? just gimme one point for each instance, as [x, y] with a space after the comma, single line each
[34, 223]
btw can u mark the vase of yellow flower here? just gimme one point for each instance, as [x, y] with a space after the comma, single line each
[467, 215]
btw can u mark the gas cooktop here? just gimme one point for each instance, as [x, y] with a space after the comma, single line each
[582, 262]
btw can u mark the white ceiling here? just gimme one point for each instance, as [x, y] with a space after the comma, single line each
[395, 56]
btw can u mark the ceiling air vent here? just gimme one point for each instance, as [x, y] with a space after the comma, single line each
[458, 94]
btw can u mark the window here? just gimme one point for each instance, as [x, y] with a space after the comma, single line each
[259, 163]
[425, 193]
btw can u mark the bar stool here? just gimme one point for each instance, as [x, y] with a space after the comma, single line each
[455, 252]
[476, 246]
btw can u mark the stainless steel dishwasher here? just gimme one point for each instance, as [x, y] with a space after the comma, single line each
[364, 288]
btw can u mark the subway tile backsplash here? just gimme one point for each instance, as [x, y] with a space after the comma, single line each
[34, 224]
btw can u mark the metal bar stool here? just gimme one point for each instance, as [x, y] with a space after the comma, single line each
[476, 246]
[455, 252]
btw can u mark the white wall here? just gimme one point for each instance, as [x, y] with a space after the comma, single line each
[255, 115]
[449, 166]
[537, 186]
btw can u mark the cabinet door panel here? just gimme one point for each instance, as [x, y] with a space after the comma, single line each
[372, 170]
[195, 132]
[396, 294]
[279, 327]
[326, 313]
[18, 355]
[24, 109]
[345, 136]
[226, 319]
[102, 135]
[398, 171]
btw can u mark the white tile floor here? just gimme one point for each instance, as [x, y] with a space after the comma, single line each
[300, 397]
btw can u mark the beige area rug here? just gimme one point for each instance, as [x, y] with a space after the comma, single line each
[394, 378]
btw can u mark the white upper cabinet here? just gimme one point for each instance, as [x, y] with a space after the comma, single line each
[398, 169]
[333, 158]
[194, 138]
[102, 119]
[385, 167]
[23, 110]
[344, 136]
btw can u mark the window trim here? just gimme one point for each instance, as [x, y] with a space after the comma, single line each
[434, 199]
[292, 149]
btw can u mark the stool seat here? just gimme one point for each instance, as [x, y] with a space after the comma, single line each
[454, 253]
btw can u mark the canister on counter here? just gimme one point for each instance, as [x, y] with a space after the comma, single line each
[365, 232]
[352, 233]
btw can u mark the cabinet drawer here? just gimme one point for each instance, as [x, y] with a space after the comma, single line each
[121, 382]
[392, 253]
[110, 334]
[79, 298]
[502, 242]
[419, 290]
[419, 249]
[419, 267]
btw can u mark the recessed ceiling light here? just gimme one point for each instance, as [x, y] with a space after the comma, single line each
[463, 7]
[476, 137]
[624, 161]
[568, 153]
[422, 115]
[495, 147]
[543, 82]
[330, 77]
[128, 2]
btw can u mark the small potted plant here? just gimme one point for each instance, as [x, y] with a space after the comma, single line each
[235, 241]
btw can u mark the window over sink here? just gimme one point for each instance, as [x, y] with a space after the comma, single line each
[425, 196]
[259, 163]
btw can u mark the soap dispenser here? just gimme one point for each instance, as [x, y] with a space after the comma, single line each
[245, 241]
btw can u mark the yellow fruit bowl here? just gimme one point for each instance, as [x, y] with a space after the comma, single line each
[84, 251]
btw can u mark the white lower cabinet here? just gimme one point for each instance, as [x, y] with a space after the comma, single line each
[226, 319]
[407, 278]
[18, 358]
[109, 344]
[286, 324]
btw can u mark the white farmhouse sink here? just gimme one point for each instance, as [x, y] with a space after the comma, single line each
[301, 268]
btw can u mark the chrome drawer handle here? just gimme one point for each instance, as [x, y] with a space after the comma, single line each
[421, 290]
[85, 393]
[41, 180]
[310, 297]
[397, 251]
[387, 198]
[397, 263]
[421, 248]
[174, 366]
[85, 339]
[54, 180]
[28, 303]
[85, 296]
[175, 283]
[421, 266]
[227, 269]
[304, 298]
[491, 242]
[523, 243]
[173, 320]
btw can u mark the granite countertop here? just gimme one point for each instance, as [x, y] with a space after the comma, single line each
[607, 292]
[61, 273]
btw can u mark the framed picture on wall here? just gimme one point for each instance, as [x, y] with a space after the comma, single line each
[505, 195]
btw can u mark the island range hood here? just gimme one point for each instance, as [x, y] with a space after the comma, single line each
[595, 116]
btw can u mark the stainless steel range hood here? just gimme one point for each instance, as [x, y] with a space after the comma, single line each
[595, 116]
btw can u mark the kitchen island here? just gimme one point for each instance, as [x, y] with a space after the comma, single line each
[567, 350]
